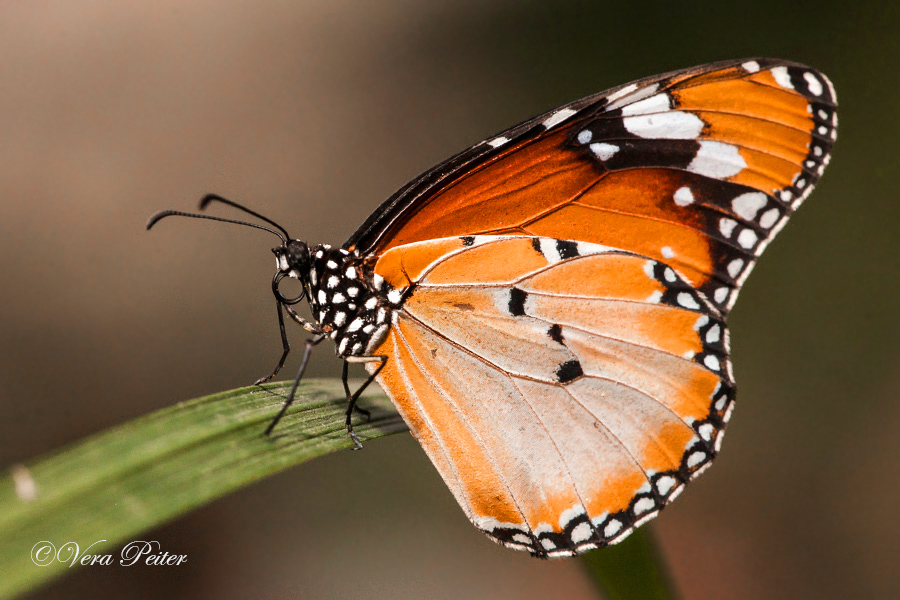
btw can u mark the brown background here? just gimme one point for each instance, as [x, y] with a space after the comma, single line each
[313, 113]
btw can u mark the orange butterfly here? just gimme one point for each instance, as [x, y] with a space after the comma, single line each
[547, 308]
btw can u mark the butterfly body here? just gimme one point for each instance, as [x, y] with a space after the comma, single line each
[348, 301]
[547, 309]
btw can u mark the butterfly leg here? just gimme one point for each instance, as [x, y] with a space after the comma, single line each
[382, 360]
[356, 407]
[285, 346]
[290, 400]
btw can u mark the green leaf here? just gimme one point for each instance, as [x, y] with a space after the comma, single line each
[157, 467]
[150, 470]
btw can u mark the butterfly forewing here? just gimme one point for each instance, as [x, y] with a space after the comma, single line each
[698, 168]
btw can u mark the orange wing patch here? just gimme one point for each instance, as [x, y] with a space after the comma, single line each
[498, 197]
[562, 418]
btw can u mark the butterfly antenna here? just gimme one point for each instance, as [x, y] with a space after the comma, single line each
[204, 202]
[177, 213]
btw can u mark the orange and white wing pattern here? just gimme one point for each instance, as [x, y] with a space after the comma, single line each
[698, 168]
[566, 391]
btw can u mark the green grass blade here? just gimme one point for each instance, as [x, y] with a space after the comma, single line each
[143, 473]
[631, 570]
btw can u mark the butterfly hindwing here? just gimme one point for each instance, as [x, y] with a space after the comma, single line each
[698, 168]
[566, 391]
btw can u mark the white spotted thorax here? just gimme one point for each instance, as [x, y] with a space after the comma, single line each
[350, 304]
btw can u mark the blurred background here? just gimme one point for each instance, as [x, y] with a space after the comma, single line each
[313, 113]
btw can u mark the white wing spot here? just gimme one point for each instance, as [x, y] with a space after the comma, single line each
[717, 160]
[713, 335]
[683, 196]
[497, 142]
[720, 294]
[549, 250]
[581, 532]
[751, 66]
[735, 266]
[672, 125]
[667, 251]
[782, 77]
[394, 296]
[558, 117]
[622, 97]
[768, 218]
[643, 505]
[654, 104]
[686, 300]
[669, 274]
[584, 136]
[340, 318]
[604, 151]
[747, 238]
[822, 129]
[350, 273]
[332, 282]
[612, 528]
[655, 297]
[712, 362]
[814, 85]
[747, 205]
[726, 226]
[623, 92]
[664, 485]
[786, 196]
[322, 297]
[339, 298]
[695, 459]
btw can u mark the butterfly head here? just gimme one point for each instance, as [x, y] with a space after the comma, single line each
[291, 260]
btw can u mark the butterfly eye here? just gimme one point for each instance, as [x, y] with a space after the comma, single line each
[281, 297]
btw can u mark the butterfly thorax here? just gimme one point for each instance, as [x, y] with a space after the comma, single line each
[350, 303]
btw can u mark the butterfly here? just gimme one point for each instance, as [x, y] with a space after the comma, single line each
[547, 309]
